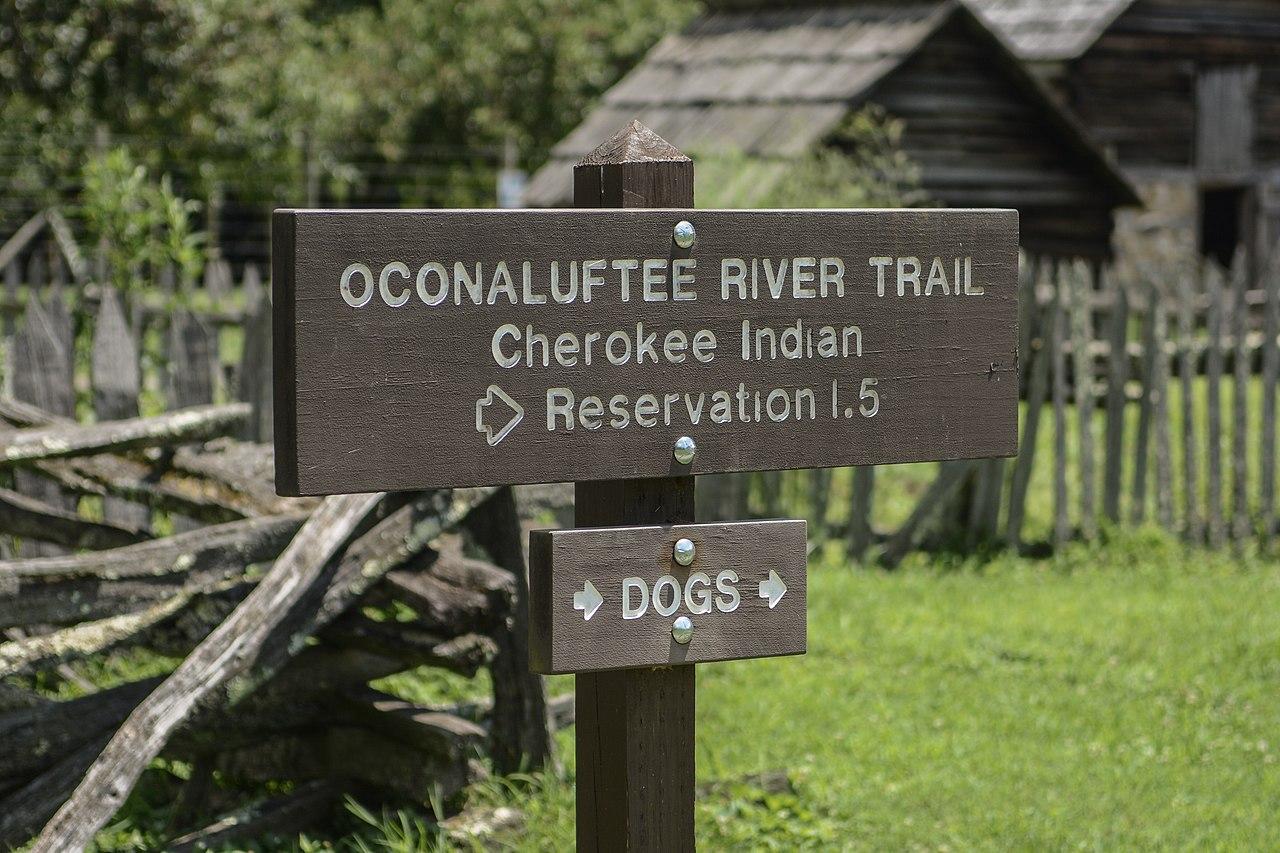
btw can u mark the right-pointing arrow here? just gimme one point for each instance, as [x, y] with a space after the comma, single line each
[773, 589]
[492, 393]
[589, 600]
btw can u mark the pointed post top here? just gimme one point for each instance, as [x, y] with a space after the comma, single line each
[636, 168]
[635, 143]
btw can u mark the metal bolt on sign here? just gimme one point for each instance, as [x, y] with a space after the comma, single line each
[746, 334]
[683, 234]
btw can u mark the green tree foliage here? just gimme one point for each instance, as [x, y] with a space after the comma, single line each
[245, 87]
[141, 220]
[861, 164]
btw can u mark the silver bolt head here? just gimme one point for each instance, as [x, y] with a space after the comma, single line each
[685, 449]
[682, 630]
[683, 234]
[684, 551]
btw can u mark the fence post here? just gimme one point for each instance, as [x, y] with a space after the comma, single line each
[1270, 369]
[1214, 360]
[1241, 374]
[1194, 527]
[254, 377]
[42, 377]
[12, 279]
[1117, 376]
[36, 274]
[1082, 354]
[1146, 410]
[1160, 410]
[860, 506]
[1039, 353]
[635, 727]
[1057, 347]
[819, 502]
[116, 382]
[191, 373]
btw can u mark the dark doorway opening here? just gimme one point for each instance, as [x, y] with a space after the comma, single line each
[1222, 223]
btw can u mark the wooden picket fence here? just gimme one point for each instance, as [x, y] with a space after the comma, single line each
[152, 340]
[1104, 358]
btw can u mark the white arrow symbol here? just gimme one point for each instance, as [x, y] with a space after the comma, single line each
[485, 402]
[588, 601]
[773, 589]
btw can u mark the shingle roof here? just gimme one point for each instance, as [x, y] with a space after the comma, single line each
[775, 81]
[769, 83]
[1049, 29]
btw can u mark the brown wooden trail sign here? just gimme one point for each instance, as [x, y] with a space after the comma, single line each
[613, 597]
[628, 350]
[462, 348]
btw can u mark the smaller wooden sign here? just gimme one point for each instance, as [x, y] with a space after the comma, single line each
[617, 597]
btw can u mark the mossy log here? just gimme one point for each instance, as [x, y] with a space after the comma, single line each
[67, 590]
[31, 518]
[25, 446]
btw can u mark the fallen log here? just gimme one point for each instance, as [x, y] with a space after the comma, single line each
[213, 495]
[229, 652]
[444, 606]
[24, 810]
[34, 519]
[302, 696]
[46, 651]
[301, 809]
[116, 476]
[520, 739]
[71, 589]
[412, 644]
[445, 736]
[55, 729]
[19, 413]
[243, 468]
[54, 442]
[451, 566]
[14, 698]
[400, 536]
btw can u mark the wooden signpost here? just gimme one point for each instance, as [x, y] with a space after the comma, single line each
[437, 348]
[628, 350]
[651, 596]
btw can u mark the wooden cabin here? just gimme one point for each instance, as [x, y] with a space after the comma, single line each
[1184, 93]
[775, 79]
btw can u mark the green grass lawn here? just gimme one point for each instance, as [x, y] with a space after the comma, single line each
[1125, 696]
[1121, 696]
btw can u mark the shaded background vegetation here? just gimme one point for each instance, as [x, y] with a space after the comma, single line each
[397, 102]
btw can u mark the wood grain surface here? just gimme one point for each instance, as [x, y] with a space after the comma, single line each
[635, 727]
[562, 561]
[379, 397]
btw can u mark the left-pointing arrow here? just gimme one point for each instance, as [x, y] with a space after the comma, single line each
[588, 601]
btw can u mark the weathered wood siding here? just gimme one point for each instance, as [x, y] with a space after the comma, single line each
[983, 143]
[1136, 87]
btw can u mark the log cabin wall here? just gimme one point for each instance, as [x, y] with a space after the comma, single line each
[1136, 87]
[1186, 94]
[980, 141]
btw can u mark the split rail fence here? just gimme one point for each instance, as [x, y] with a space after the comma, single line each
[127, 529]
